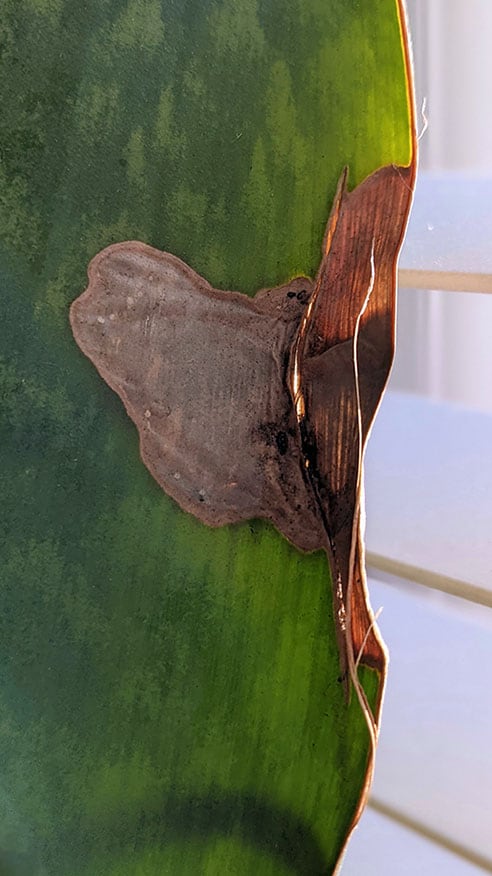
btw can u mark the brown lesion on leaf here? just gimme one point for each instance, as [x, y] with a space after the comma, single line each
[262, 407]
[202, 373]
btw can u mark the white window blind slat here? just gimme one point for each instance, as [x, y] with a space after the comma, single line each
[448, 243]
[434, 762]
[381, 847]
[429, 494]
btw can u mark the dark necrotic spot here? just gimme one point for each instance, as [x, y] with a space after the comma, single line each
[302, 296]
[291, 294]
[282, 442]
[308, 445]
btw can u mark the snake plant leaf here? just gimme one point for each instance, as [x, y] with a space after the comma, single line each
[171, 692]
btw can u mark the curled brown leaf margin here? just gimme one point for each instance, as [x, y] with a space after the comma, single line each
[360, 603]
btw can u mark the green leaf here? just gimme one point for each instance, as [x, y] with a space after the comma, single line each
[169, 693]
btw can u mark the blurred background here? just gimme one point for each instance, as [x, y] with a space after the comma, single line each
[445, 340]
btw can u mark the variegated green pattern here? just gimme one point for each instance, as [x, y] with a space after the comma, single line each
[169, 701]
